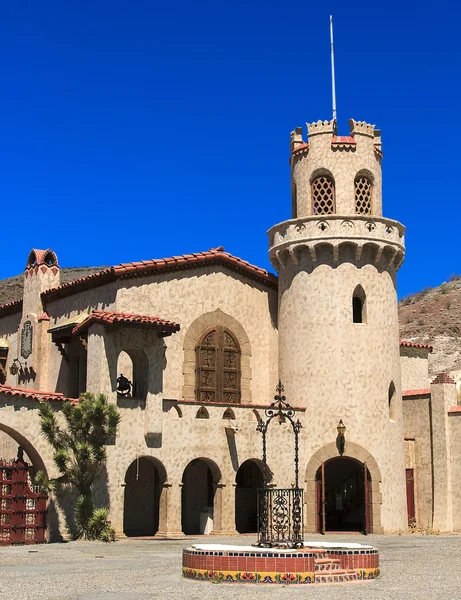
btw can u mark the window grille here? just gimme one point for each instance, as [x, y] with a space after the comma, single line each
[218, 361]
[323, 195]
[363, 189]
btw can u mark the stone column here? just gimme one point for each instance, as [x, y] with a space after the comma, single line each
[443, 397]
[170, 511]
[224, 509]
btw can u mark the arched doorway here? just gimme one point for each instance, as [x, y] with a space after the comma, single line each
[144, 481]
[249, 480]
[23, 504]
[343, 496]
[199, 480]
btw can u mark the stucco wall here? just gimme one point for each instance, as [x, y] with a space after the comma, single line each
[182, 298]
[345, 368]
[454, 421]
[417, 427]
[415, 369]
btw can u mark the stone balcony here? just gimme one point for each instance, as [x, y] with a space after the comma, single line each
[385, 239]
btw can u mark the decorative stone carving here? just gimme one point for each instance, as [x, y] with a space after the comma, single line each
[27, 334]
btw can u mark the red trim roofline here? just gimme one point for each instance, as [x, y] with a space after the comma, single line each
[412, 393]
[10, 308]
[109, 318]
[8, 390]
[406, 344]
[152, 267]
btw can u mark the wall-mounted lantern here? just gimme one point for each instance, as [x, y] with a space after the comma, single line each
[341, 440]
[15, 369]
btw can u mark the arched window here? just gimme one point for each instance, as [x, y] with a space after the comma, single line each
[363, 195]
[392, 397]
[229, 414]
[359, 314]
[323, 195]
[218, 367]
[202, 413]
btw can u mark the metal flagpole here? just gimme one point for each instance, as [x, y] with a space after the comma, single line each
[333, 88]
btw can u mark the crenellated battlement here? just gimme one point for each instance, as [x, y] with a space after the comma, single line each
[296, 139]
[361, 128]
[322, 128]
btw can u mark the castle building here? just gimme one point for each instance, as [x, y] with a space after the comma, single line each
[190, 349]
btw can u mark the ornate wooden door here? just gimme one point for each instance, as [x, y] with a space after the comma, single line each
[410, 479]
[218, 367]
[22, 510]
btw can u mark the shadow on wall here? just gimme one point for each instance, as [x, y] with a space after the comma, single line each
[325, 257]
[66, 494]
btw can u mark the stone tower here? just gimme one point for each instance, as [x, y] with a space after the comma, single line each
[42, 272]
[338, 324]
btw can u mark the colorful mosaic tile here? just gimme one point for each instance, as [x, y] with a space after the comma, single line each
[247, 577]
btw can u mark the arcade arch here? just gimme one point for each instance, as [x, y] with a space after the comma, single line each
[249, 480]
[200, 480]
[144, 485]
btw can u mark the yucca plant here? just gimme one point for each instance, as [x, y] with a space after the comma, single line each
[80, 454]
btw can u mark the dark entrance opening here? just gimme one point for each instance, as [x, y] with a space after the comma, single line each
[249, 480]
[143, 486]
[197, 501]
[344, 496]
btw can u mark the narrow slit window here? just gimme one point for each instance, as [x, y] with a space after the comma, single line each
[359, 305]
[392, 402]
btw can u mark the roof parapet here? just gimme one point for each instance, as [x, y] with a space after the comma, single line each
[322, 128]
[296, 138]
[361, 128]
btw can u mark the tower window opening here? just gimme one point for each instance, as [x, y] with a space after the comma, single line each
[294, 199]
[359, 305]
[323, 195]
[392, 402]
[363, 190]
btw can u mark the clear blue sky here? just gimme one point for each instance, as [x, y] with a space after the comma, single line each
[134, 130]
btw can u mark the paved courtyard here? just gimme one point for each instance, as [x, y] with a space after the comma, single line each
[413, 567]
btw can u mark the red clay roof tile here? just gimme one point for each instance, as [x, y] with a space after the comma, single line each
[106, 317]
[421, 392]
[151, 267]
[10, 307]
[343, 139]
[415, 345]
[8, 390]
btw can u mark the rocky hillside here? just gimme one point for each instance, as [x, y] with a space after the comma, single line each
[11, 288]
[433, 316]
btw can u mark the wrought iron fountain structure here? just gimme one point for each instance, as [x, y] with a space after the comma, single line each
[280, 510]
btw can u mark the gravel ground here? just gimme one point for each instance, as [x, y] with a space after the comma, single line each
[413, 567]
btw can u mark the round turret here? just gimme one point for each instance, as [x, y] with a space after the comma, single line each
[338, 323]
